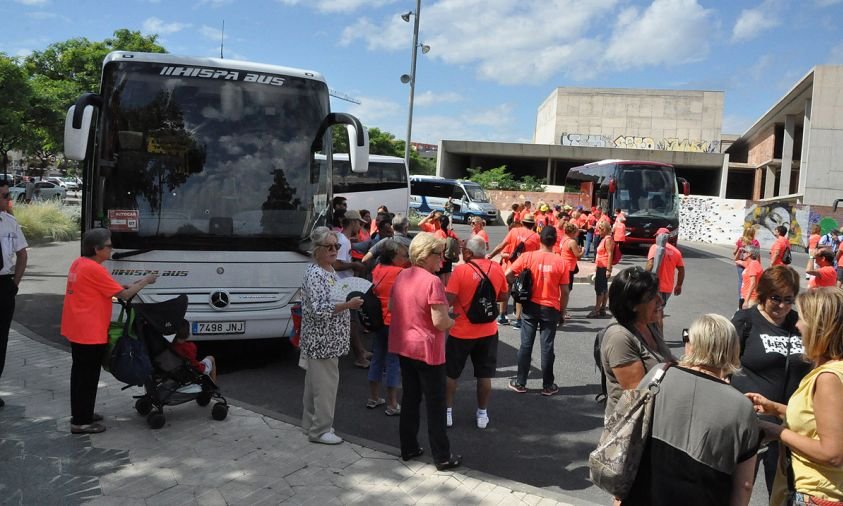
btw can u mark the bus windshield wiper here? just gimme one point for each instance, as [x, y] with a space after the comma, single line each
[130, 253]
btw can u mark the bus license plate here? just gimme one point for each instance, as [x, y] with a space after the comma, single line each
[204, 328]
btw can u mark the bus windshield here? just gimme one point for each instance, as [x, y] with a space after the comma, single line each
[476, 193]
[380, 176]
[647, 190]
[215, 163]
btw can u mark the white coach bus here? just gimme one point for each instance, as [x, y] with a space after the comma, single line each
[386, 183]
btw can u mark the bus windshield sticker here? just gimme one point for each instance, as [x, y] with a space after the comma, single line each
[228, 75]
[123, 220]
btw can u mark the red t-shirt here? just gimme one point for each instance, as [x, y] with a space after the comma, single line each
[670, 261]
[550, 273]
[430, 227]
[463, 283]
[86, 313]
[188, 350]
[619, 231]
[813, 241]
[412, 333]
[826, 276]
[483, 235]
[753, 268]
[530, 239]
[777, 251]
[601, 258]
[383, 277]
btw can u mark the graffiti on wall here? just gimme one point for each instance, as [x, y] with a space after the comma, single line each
[766, 217]
[636, 142]
[710, 219]
[591, 141]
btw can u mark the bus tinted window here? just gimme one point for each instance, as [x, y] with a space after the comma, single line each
[644, 188]
[432, 189]
[380, 176]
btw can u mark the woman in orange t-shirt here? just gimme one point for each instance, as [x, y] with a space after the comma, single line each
[603, 260]
[85, 317]
[478, 228]
[813, 242]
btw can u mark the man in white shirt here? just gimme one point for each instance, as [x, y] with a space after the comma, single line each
[12, 265]
[347, 267]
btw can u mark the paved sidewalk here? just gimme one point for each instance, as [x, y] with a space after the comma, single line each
[249, 458]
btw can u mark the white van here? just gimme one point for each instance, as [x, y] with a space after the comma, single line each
[431, 193]
[386, 183]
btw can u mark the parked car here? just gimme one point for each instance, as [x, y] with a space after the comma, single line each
[68, 183]
[44, 190]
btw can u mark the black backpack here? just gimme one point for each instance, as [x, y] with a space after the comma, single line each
[522, 287]
[484, 304]
[598, 341]
[519, 248]
[787, 257]
[370, 313]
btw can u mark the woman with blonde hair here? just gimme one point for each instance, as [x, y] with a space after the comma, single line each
[813, 416]
[705, 435]
[419, 309]
[747, 239]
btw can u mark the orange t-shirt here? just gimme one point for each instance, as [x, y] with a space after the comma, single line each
[567, 253]
[520, 234]
[463, 283]
[826, 276]
[670, 261]
[86, 313]
[483, 235]
[550, 273]
[753, 268]
[619, 231]
[814, 241]
[523, 213]
[383, 277]
[777, 251]
[428, 227]
[602, 256]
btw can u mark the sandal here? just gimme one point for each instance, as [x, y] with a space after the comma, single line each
[452, 462]
[593, 314]
[393, 411]
[373, 403]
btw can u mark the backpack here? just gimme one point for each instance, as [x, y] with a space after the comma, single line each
[519, 248]
[616, 254]
[787, 258]
[522, 287]
[452, 249]
[598, 341]
[370, 313]
[484, 305]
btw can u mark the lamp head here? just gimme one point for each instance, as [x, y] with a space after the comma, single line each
[425, 48]
[406, 16]
[405, 78]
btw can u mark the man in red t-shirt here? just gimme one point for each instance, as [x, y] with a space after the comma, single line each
[477, 340]
[825, 274]
[671, 261]
[779, 246]
[543, 311]
[526, 235]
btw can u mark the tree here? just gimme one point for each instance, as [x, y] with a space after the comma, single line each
[61, 73]
[15, 95]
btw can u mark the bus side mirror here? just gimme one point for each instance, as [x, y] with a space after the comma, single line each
[358, 148]
[76, 137]
[686, 186]
[612, 185]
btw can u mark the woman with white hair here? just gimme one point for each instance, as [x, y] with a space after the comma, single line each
[705, 435]
[325, 327]
[419, 309]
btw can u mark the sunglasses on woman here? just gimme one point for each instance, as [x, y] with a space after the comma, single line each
[782, 300]
[331, 247]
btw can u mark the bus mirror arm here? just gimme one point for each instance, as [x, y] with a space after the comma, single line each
[358, 139]
[836, 203]
[83, 101]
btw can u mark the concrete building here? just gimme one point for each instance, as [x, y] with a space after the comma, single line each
[683, 128]
[795, 149]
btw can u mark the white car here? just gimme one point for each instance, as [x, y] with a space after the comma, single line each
[68, 183]
[44, 190]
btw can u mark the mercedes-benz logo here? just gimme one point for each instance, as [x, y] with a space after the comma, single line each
[220, 299]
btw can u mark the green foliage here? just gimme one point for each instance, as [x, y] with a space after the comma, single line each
[46, 221]
[15, 96]
[499, 178]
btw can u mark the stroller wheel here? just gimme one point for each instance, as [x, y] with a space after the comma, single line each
[219, 411]
[156, 420]
[203, 399]
[143, 406]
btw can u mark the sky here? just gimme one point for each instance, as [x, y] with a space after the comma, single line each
[491, 62]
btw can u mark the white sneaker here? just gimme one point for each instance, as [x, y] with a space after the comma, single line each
[328, 438]
[482, 421]
[449, 419]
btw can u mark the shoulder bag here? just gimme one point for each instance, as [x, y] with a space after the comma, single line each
[613, 465]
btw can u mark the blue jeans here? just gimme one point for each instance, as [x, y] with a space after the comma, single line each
[589, 238]
[547, 329]
[384, 362]
[740, 278]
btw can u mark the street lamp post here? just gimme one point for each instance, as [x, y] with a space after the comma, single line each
[412, 77]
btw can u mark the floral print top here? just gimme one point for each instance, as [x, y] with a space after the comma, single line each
[324, 334]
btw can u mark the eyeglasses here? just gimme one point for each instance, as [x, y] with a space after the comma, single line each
[330, 247]
[685, 337]
[782, 300]
[6, 196]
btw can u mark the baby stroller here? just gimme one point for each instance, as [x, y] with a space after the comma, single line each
[173, 380]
